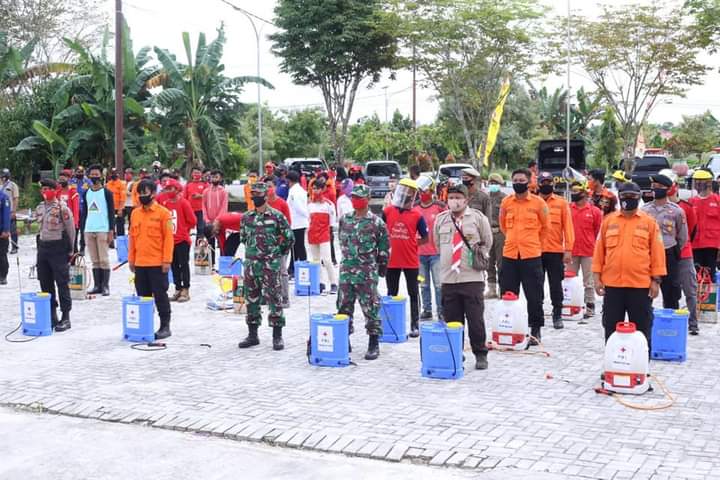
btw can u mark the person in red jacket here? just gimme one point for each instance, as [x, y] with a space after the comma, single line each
[404, 224]
[226, 229]
[68, 194]
[279, 204]
[706, 240]
[183, 219]
[193, 193]
[686, 266]
[587, 220]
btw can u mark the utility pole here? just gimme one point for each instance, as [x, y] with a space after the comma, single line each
[414, 106]
[119, 100]
[386, 122]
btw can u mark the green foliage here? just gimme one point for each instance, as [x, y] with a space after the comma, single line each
[334, 45]
[521, 130]
[553, 112]
[696, 135]
[707, 21]
[303, 134]
[608, 147]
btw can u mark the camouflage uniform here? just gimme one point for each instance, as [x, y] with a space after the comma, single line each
[365, 250]
[268, 238]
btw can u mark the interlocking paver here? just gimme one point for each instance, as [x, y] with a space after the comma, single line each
[510, 416]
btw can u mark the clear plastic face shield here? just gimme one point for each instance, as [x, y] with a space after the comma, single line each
[424, 183]
[404, 196]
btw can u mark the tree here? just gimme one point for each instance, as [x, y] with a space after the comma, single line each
[335, 45]
[553, 112]
[522, 130]
[199, 106]
[48, 22]
[635, 56]
[303, 135]
[707, 21]
[465, 49]
[696, 134]
[608, 147]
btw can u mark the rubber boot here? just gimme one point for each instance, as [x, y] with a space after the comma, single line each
[278, 343]
[252, 339]
[184, 295]
[97, 282]
[53, 318]
[164, 331]
[373, 351]
[535, 333]
[557, 322]
[481, 362]
[106, 283]
[64, 322]
[414, 329]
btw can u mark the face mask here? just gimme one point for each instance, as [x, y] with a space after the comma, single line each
[426, 197]
[172, 193]
[520, 187]
[64, 184]
[359, 203]
[128, 177]
[216, 182]
[259, 200]
[494, 188]
[576, 197]
[95, 180]
[660, 193]
[456, 205]
[546, 189]
[628, 204]
[113, 177]
[271, 192]
[197, 176]
[146, 199]
[49, 195]
[468, 183]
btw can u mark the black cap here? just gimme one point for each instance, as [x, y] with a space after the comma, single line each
[459, 188]
[662, 180]
[630, 187]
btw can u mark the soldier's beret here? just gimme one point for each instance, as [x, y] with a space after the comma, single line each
[259, 187]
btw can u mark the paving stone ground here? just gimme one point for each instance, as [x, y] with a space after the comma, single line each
[509, 418]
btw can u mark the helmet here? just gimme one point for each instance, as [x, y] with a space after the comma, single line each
[404, 195]
[702, 174]
[667, 172]
[620, 176]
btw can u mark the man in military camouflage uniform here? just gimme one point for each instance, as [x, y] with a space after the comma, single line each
[365, 245]
[268, 238]
[55, 246]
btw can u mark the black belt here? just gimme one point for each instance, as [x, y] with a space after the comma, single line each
[51, 243]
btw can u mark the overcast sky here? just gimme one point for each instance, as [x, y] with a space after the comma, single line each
[161, 23]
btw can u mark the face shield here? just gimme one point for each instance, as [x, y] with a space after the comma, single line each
[404, 195]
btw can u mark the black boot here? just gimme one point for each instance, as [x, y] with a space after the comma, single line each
[64, 322]
[557, 322]
[414, 330]
[373, 348]
[278, 343]
[164, 331]
[481, 362]
[53, 318]
[252, 339]
[535, 334]
[97, 282]
[106, 283]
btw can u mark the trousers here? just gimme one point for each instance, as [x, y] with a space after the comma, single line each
[262, 284]
[181, 265]
[553, 267]
[495, 267]
[633, 301]
[4, 265]
[321, 253]
[430, 269]
[411, 281]
[527, 272]
[298, 252]
[670, 283]
[52, 270]
[152, 282]
[465, 301]
[688, 282]
[366, 293]
[97, 245]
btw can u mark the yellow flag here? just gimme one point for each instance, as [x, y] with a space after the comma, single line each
[495, 122]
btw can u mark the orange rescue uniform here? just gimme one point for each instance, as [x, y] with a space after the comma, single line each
[151, 236]
[561, 236]
[119, 191]
[525, 223]
[629, 251]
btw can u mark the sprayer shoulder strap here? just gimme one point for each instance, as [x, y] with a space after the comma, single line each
[467, 244]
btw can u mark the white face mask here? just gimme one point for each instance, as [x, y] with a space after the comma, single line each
[456, 205]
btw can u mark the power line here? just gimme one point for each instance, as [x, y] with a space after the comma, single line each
[367, 97]
[240, 9]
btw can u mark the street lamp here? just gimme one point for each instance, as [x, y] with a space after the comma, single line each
[259, 103]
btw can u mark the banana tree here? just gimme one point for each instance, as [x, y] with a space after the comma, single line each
[49, 140]
[199, 106]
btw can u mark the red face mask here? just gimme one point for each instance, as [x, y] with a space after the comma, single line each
[426, 197]
[49, 195]
[128, 177]
[271, 192]
[359, 203]
[197, 176]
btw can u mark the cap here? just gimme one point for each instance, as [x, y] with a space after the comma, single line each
[629, 187]
[496, 177]
[362, 191]
[661, 179]
[5, 172]
[544, 177]
[80, 168]
[669, 173]
[156, 164]
[702, 174]
[143, 170]
[471, 172]
[260, 187]
[459, 188]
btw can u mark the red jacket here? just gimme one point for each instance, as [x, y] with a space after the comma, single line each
[707, 211]
[183, 217]
[193, 188]
[689, 210]
[586, 222]
[280, 205]
[71, 198]
[229, 224]
[403, 229]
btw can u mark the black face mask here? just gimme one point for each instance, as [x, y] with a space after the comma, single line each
[113, 177]
[520, 187]
[96, 180]
[576, 197]
[628, 204]
[546, 189]
[467, 183]
[660, 193]
[146, 199]
[258, 201]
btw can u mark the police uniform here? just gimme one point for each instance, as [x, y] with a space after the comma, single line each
[55, 245]
[673, 228]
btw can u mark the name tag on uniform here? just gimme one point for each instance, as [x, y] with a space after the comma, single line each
[269, 222]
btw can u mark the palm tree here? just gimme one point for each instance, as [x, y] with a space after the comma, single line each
[199, 106]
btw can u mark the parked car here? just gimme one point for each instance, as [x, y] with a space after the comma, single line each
[713, 164]
[377, 176]
[453, 171]
[307, 165]
[552, 157]
[647, 166]
[236, 195]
